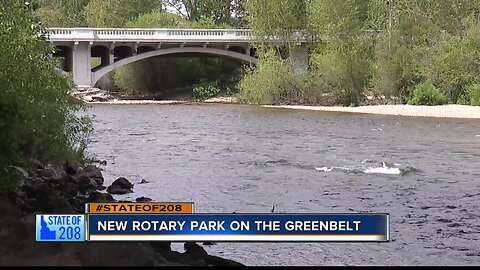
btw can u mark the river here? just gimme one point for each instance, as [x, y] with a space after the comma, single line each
[425, 172]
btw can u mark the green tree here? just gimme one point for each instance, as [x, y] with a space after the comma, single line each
[342, 61]
[37, 113]
[415, 41]
[158, 20]
[221, 12]
[116, 13]
[278, 18]
[404, 49]
[58, 13]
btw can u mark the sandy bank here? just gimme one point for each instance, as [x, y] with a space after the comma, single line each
[446, 111]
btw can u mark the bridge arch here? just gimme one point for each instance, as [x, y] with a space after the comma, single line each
[97, 74]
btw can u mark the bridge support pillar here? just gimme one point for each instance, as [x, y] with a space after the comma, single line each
[111, 57]
[108, 58]
[299, 59]
[248, 50]
[81, 64]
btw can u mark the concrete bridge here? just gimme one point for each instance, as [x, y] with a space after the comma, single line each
[118, 47]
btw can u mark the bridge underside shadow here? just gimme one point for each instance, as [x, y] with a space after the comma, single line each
[102, 70]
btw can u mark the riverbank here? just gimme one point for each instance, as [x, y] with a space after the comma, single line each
[98, 96]
[57, 189]
[223, 100]
[445, 111]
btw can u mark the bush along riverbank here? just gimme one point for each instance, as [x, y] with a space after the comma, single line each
[57, 189]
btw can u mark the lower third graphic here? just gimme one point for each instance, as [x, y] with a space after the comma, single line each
[61, 228]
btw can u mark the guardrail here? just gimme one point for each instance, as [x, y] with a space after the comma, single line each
[114, 34]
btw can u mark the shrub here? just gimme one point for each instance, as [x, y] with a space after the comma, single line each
[272, 82]
[205, 90]
[341, 76]
[471, 96]
[37, 113]
[427, 94]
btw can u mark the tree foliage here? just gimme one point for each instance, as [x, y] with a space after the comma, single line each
[276, 18]
[37, 113]
[427, 94]
[116, 13]
[379, 47]
[60, 13]
[221, 12]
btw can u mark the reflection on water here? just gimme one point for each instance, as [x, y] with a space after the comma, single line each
[226, 158]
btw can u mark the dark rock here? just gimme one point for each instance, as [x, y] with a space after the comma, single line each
[143, 199]
[208, 243]
[100, 197]
[101, 187]
[23, 202]
[115, 189]
[161, 247]
[73, 168]
[48, 199]
[45, 173]
[85, 183]
[98, 181]
[20, 173]
[93, 172]
[144, 181]
[66, 179]
[70, 189]
[60, 204]
[78, 203]
[123, 183]
[104, 162]
[35, 164]
[193, 249]
[57, 170]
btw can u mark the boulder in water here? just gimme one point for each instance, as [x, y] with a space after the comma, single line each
[122, 182]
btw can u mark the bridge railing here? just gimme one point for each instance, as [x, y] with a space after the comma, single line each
[118, 34]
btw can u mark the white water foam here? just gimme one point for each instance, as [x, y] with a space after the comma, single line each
[383, 170]
[324, 169]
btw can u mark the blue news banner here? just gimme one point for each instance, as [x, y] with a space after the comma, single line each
[215, 227]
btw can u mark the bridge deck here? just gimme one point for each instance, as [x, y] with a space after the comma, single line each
[156, 35]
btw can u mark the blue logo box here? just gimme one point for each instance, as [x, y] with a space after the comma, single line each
[60, 228]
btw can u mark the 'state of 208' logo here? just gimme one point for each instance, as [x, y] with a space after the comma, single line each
[61, 228]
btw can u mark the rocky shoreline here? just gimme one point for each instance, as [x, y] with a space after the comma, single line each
[63, 189]
[99, 96]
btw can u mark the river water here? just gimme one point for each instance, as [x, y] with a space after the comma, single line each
[425, 172]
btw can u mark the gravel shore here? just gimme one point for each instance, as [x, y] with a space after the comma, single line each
[445, 111]
[139, 102]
